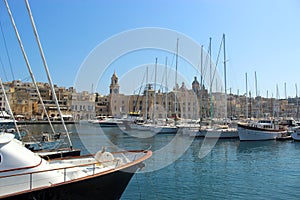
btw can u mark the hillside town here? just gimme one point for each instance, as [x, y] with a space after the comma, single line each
[84, 105]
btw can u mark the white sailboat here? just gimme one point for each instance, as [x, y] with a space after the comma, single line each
[219, 129]
[163, 127]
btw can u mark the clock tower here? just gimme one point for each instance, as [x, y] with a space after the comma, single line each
[114, 85]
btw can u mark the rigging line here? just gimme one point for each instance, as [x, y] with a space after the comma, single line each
[47, 71]
[8, 57]
[138, 96]
[217, 61]
[205, 69]
[25, 79]
[206, 65]
[10, 110]
[27, 63]
[3, 68]
[172, 62]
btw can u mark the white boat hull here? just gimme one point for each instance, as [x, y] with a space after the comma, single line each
[164, 129]
[251, 134]
[221, 133]
[296, 136]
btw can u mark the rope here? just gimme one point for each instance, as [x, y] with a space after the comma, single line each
[8, 57]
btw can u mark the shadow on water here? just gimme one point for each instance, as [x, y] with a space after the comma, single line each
[232, 170]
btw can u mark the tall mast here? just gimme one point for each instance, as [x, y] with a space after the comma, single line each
[255, 83]
[27, 64]
[166, 68]
[256, 94]
[147, 88]
[297, 100]
[277, 97]
[154, 111]
[47, 71]
[246, 97]
[285, 90]
[225, 81]
[211, 82]
[9, 108]
[201, 82]
[175, 96]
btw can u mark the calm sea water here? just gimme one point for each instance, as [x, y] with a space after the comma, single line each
[232, 170]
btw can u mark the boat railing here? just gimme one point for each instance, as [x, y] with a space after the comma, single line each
[63, 174]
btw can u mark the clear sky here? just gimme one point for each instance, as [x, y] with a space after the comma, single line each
[261, 36]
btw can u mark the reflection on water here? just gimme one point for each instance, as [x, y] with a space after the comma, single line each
[232, 170]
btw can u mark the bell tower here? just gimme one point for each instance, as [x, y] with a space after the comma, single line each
[114, 85]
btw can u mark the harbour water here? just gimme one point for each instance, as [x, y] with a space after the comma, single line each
[232, 170]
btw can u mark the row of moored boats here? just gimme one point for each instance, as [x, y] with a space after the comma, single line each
[251, 130]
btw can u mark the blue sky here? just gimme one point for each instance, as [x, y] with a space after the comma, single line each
[261, 36]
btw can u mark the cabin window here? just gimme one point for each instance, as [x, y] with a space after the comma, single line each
[0, 158]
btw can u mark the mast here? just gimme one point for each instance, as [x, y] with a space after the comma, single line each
[277, 97]
[154, 111]
[167, 107]
[47, 71]
[9, 108]
[246, 97]
[225, 81]
[230, 94]
[27, 64]
[297, 100]
[285, 90]
[147, 88]
[175, 96]
[201, 82]
[258, 103]
[211, 82]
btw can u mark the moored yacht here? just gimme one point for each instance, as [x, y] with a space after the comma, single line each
[262, 130]
[108, 122]
[25, 175]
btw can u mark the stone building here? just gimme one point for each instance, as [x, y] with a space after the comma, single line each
[114, 104]
[83, 105]
[24, 100]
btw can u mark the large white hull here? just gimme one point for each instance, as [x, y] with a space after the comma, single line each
[253, 134]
